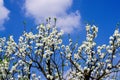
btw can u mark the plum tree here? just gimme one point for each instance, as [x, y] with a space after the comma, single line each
[43, 55]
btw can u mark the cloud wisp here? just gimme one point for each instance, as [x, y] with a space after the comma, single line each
[42, 9]
[4, 15]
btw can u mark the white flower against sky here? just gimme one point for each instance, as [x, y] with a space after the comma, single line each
[41, 50]
[87, 27]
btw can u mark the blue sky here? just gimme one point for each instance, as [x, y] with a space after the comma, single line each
[72, 14]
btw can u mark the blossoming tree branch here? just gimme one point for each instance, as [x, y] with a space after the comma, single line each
[43, 56]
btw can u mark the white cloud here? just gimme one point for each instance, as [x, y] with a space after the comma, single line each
[69, 22]
[4, 12]
[42, 9]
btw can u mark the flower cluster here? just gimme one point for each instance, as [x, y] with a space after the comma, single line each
[92, 61]
[42, 55]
